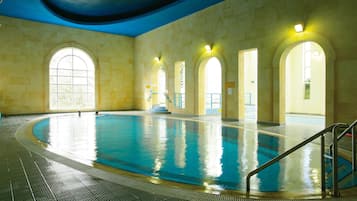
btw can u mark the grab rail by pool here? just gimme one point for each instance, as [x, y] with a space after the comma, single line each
[321, 134]
[351, 129]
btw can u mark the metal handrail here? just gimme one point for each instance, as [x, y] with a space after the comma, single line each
[353, 124]
[321, 134]
[343, 133]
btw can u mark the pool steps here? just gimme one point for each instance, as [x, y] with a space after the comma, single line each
[159, 109]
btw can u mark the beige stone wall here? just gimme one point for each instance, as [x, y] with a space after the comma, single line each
[267, 25]
[25, 51]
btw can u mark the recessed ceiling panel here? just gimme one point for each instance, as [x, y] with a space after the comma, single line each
[122, 17]
[103, 11]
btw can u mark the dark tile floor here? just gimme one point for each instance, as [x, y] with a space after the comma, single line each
[27, 176]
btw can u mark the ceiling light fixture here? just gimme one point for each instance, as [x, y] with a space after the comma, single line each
[208, 48]
[157, 59]
[299, 28]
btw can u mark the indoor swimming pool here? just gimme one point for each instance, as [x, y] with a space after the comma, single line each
[209, 155]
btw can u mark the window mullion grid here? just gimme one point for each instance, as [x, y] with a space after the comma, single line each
[67, 89]
[72, 81]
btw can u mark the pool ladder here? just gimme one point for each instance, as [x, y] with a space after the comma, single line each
[334, 130]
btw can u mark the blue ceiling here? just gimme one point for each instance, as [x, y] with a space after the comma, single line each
[123, 17]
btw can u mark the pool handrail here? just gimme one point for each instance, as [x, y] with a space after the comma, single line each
[348, 129]
[321, 134]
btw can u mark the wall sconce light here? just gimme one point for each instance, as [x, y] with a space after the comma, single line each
[157, 59]
[299, 28]
[208, 48]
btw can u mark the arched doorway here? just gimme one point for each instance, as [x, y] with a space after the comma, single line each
[210, 87]
[248, 84]
[161, 85]
[158, 97]
[305, 85]
[279, 66]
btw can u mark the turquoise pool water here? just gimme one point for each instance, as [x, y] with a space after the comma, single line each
[210, 155]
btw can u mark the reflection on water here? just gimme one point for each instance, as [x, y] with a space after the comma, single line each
[304, 171]
[205, 154]
[159, 144]
[71, 135]
[180, 144]
[249, 160]
[210, 149]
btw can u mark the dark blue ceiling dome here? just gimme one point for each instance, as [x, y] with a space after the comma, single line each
[103, 11]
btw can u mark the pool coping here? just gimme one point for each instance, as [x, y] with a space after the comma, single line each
[149, 184]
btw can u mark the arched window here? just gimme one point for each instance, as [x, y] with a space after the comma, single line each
[72, 81]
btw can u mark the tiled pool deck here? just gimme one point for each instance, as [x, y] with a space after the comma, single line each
[25, 175]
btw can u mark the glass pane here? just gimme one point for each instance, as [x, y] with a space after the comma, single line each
[64, 101]
[53, 79]
[91, 99]
[91, 82]
[64, 80]
[307, 75]
[53, 101]
[80, 73]
[65, 63]
[65, 89]
[63, 72]
[53, 72]
[53, 88]
[85, 57]
[90, 89]
[79, 64]
[80, 80]
[80, 89]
